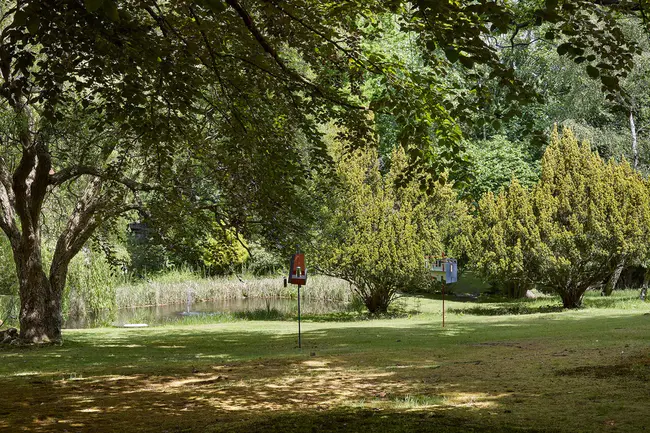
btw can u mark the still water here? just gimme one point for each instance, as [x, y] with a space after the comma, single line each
[169, 313]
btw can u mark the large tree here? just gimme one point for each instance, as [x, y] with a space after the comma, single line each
[115, 106]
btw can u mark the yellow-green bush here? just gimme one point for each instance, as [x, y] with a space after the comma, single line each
[505, 234]
[376, 234]
[569, 233]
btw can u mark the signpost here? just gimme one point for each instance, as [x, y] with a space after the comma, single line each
[298, 275]
[445, 270]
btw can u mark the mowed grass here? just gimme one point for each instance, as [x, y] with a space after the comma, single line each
[579, 371]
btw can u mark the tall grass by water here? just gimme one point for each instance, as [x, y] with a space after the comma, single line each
[178, 287]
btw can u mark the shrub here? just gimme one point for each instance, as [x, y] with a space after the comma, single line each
[581, 220]
[375, 234]
[590, 215]
[505, 233]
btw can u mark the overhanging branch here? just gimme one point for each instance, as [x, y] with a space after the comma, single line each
[76, 171]
[268, 48]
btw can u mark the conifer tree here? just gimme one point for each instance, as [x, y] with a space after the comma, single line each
[573, 203]
[505, 235]
[579, 223]
[375, 234]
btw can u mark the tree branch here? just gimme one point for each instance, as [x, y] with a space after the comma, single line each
[7, 220]
[266, 46]
[636, 6]
[81, 224]
[73, 172]
[7, 205]
[348, 53]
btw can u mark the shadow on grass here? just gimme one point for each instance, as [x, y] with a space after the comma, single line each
[190, 381]
[500, 306]
[612, 301]
[515, 308]
[262, 314]
[212, 379]
[360, 316]
[276, 315]
[369, 421]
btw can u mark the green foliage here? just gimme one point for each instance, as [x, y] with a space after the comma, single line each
[263, 261]
[504, 235]
[223, 252]
[375, 234]
[90, 287]
[8, 280]
[323, 50]
[570, 87]
[145, 256]
[211, 110]
[590, 216]
[569, 233]
[496, 162]
[200, 244]
[9, 310]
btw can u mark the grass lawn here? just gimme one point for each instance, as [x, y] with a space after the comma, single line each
[580, 371]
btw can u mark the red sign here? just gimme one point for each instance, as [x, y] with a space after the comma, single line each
[297, 270]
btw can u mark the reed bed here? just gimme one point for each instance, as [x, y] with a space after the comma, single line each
[166, 292]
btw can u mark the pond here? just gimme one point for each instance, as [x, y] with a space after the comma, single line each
[160, 314]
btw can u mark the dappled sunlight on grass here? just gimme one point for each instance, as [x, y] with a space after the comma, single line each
[481, 374]
[119, 345]
[470, 399]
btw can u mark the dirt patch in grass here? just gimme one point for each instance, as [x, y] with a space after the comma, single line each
[637, 368]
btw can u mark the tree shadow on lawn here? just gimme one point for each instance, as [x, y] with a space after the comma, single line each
[362, 378]
[507, 309]
[370, 421]
[613, 301]
[497, 306]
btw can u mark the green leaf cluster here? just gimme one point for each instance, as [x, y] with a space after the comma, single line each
[495, 163]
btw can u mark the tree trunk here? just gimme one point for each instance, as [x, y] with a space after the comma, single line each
[40, 300]
[378, 300]
[635, 150]
[644, 288]
[613, 279]
[515, 290]
[572, 299]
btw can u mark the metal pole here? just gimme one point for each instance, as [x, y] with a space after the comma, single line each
[299, 340]
[443, 304]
